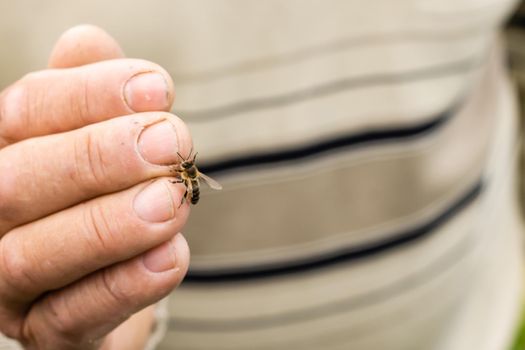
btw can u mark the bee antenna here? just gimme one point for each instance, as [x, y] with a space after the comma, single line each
[195, 156]
[181, 157]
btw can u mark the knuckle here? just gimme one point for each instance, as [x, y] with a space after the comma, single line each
[9, 210]
[99, 230]
[80, 104]
[21, 104]
[16, 106]
[120, 294]
[51, 326]
[31, 98]
[15, 267]
[59, 317]
[90, 165]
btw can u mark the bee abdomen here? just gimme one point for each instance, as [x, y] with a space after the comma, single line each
[195, 193]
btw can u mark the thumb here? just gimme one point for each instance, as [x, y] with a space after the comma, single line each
[83, 44]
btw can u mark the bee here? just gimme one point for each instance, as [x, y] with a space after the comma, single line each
[190, 176]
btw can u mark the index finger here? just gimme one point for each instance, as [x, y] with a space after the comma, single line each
[46, 174]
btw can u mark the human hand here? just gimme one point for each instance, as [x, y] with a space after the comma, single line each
[86, 237]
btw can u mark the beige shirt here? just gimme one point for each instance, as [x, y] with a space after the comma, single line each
[366, 149]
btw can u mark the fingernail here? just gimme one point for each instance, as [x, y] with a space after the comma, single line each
[161, 258]
[154, 203]
[146, 92]
[158, 143]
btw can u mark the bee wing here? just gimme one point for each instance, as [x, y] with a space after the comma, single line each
[210, 182]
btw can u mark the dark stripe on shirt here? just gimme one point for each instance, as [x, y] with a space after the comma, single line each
[395, 240]
[329, 88]
[344, 141]
[426, 274]
[308, 52]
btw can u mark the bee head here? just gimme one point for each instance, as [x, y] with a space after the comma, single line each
[186, 165]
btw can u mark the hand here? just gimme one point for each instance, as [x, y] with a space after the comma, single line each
[87, 238]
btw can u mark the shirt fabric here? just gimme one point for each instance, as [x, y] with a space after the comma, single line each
[366, 150]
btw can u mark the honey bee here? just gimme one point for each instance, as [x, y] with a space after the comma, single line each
[190, 176]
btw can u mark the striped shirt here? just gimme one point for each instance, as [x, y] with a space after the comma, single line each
[366, 150]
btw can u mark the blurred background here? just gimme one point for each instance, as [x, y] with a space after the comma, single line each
[366, 152]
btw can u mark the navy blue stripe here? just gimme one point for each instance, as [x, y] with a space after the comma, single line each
[343, 141]
[342, 255]
[444, 263]
[426, 274]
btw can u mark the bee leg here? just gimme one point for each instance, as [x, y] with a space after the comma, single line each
[188, 194]
[176, 181]
[183, 198]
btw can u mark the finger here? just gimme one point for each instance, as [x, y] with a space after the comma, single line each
[53, 252]
[86, 311]
[82, 45]
[46, 174]
[134, 333]
[58, 100]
